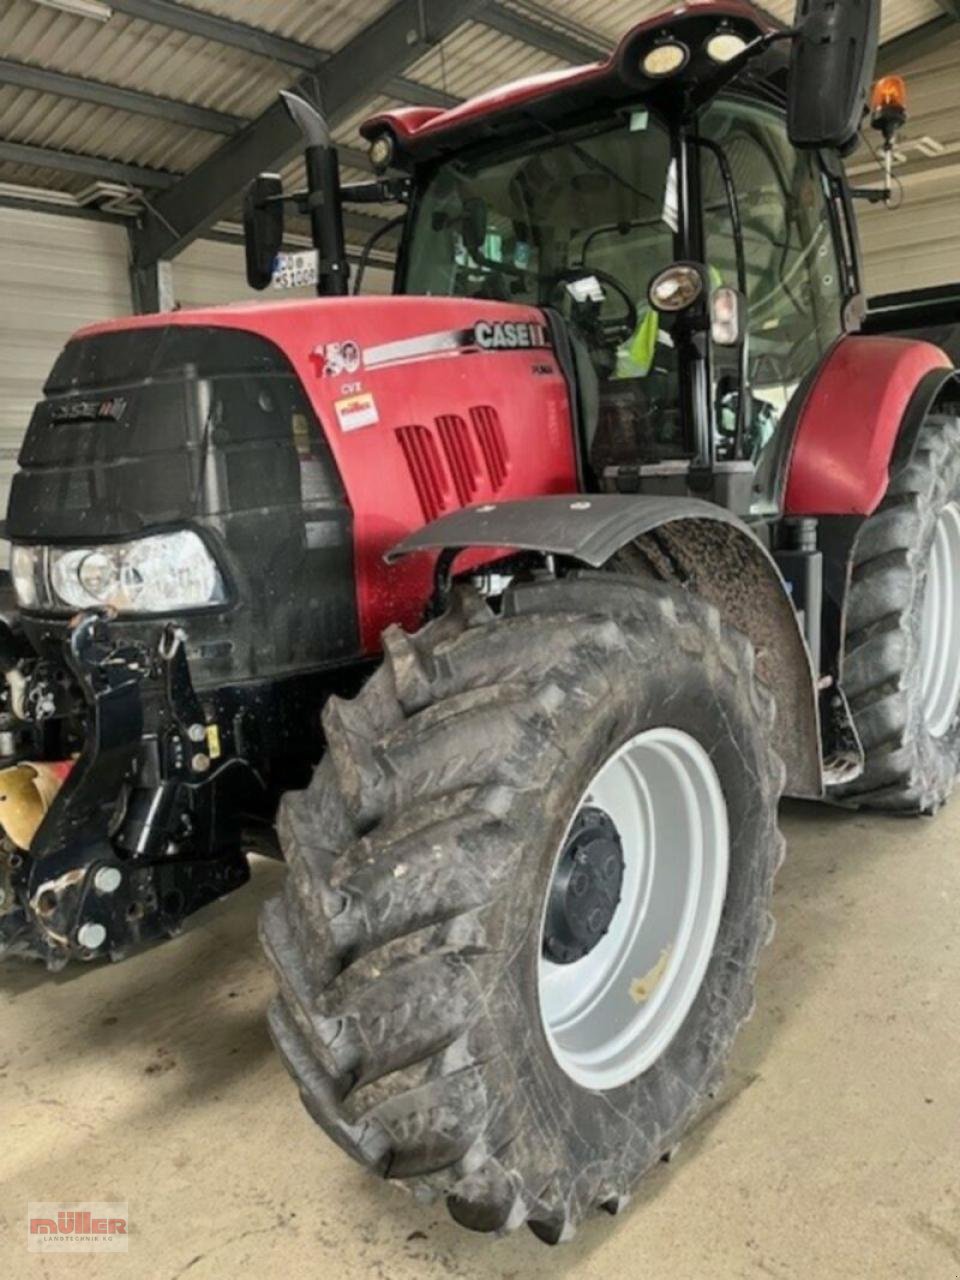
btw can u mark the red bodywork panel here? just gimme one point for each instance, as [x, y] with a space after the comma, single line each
[848, 428]
[416, 127]
[420, 416]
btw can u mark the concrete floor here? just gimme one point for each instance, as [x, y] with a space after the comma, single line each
[835, 1152]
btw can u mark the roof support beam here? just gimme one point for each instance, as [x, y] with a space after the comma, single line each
[358, 225]
[566, 45]
[239, 35]
[407, 30]
[355, 159]
[93, 167]
[209, 26]
[107, 95]
[418, 95]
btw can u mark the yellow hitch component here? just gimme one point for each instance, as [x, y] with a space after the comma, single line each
[26, 793]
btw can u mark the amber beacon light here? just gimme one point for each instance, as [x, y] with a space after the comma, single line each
[888, 104]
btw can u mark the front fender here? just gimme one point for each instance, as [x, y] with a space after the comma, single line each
[696, 544]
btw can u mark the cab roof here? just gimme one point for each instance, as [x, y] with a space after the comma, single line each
[424, 132]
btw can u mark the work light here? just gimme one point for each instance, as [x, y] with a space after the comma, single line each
[677, 288]
[381, 152]
[725, 46]
[665, 59]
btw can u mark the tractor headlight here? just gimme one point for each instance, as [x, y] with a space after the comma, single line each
[166, 573]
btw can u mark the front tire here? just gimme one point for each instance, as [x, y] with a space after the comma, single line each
[410, 941]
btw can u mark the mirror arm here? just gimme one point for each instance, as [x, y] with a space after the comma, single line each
[382, 191]
[873, 195]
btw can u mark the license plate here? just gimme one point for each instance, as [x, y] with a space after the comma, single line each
[296, 270]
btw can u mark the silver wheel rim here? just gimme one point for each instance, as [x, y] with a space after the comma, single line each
[613, 1014]
[940, 634]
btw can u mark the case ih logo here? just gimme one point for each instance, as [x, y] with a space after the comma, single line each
[508, 336]
[77, 1228]
[90, 411]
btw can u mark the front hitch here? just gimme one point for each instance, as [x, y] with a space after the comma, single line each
[113, 863]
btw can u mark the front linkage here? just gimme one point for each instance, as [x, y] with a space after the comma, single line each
[146, 829]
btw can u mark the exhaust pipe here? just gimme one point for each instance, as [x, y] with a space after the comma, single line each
[324, 197]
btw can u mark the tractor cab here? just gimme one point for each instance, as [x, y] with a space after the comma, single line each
[680, 211]
[695, 301]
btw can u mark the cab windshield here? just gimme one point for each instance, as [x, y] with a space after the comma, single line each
[581, 222]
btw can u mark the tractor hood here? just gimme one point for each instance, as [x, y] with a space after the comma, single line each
[301, 440]
[158, 420]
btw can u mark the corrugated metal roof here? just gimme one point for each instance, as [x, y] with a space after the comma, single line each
[477, 58]
[140, 55]
[325, 24]
[918, 243]
[904, 15]
[42, 120]
[611, 18]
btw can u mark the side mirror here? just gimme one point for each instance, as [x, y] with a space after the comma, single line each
[263, 228]
[831, 67]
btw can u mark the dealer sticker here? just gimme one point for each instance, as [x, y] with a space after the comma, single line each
[357, 412]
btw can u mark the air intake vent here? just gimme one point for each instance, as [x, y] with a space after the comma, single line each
[426, 469]
[493, 446]
[461, 457]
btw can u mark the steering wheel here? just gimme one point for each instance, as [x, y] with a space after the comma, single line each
[587, 314]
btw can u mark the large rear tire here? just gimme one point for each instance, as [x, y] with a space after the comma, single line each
[902, 652]
[452, 1015]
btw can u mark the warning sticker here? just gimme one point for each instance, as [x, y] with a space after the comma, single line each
[357, 412]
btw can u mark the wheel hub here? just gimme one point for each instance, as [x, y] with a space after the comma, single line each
[586, 889]
[615, 987]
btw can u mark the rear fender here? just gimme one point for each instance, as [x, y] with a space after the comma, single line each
[851, 421]
[698, 545]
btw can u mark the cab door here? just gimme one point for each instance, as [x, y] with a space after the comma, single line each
[794, 284]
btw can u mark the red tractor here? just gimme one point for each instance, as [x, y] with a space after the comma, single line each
[646, 530]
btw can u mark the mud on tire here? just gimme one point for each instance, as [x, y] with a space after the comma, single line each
[909, 769]
[407, 940]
